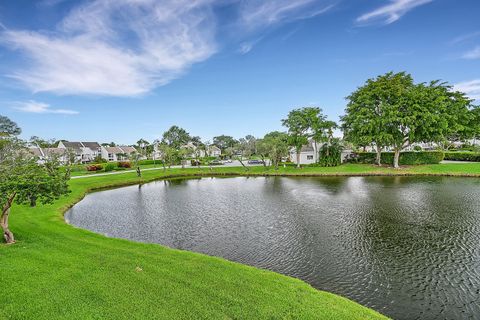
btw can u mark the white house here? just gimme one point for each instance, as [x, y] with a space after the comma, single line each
[117, 153]
[214, 151]
[309, 153]
[84, 151]
[44, 154]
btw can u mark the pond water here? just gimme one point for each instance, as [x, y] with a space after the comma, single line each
[408, 247]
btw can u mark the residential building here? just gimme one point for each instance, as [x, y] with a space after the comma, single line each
[84, 151]
[44, 154]
[118, 153]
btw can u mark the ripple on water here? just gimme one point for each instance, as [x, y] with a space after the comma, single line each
[405, 246]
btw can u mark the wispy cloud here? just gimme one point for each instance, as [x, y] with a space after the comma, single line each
[465, 37]
[32, 106]
[261, 13]
[116, 47]
[471, 88]
[472, 54]
[391, 12]
[129, 47]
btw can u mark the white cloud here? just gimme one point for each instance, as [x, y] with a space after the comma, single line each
[391, 12]
[471, 88]
[32, 106]
[472, 54]
[263, 13]
[116, 47]
[130, 47]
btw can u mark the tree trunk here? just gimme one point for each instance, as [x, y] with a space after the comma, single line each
[298, 159]
[379, 156]
[33, 201]
[241, 162]
[396, 159]
[7, 234]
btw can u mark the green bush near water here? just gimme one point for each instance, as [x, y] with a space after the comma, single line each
[406, 158]
[463, 156]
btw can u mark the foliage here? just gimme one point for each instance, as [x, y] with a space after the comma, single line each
[94, 167]
[463, 156]
[330, 154]
[417, 148]
[109, 167]
[99, 159]
[274, 145]
[298, 125]
[124, 164]
[8, 127]
[406, 158]
[175, 137]
[23, 180]
[393, 110]
[224, 142]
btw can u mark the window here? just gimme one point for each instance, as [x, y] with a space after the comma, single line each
[309, 157]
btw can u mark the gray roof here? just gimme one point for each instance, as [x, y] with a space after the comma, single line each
[120, 149]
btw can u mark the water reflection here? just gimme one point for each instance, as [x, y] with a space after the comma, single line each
[406, 246]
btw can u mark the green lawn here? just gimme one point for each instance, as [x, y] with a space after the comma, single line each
[58, 271]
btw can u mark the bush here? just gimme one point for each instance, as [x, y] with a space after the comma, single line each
[463, 156]
[109, 167]
[406, 158]
[94, 167]
[124, 164]
[333, 158]
[99, 159]
[148, 161]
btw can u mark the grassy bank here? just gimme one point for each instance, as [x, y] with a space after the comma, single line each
[57, 271]
[450, 169]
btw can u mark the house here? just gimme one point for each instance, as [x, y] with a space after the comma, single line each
[214, 151]
[44, 154]
[309, 153]
[84, 151]
[117, 153]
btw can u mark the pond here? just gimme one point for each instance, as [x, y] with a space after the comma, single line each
[408, 247]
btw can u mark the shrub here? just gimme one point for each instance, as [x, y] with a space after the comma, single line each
[124, 164]
[333, 158]
[463, 156]
[406, 158]
[99, 159]
[109, 167]
[94, 167]
[417, 148]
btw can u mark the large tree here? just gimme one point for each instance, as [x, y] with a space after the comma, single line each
[392, 110]
[275, 146]
[223, 142]
[175, 137]
[298, 124]
[24, 181]
[364, 122]
[8, 127]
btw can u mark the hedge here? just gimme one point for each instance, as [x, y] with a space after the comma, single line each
[406, 158]
[463, 156]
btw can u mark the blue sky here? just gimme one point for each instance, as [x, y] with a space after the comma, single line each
[120, 70]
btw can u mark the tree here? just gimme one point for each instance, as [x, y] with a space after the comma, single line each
[42, 143]
[8, 127]
[298, 125]
[175, 137]
[224, 142]
[275, 146]
[393, 110]
[183, 154]
[142, 146]
[24, 181]
[364, 122]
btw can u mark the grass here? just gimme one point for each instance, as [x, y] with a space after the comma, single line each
[56, 271]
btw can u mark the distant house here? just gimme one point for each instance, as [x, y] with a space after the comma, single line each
[308, 155]
[44, 154]
[117, 153]
[214, 151]
[84, 151]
